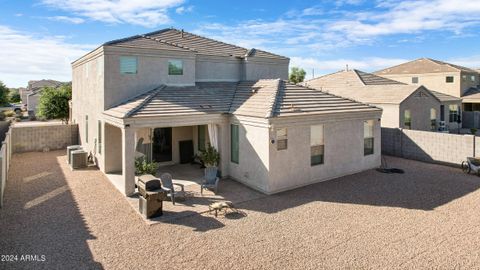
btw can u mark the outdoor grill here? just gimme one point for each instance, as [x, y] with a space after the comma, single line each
[151, 196]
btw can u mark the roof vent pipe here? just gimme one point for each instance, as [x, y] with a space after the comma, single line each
[182, 33]
[346, 67]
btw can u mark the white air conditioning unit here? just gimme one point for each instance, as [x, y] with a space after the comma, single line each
[79, 159]
[70, 149]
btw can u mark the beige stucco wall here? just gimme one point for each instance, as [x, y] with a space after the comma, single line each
[216, 68]
[152, 72]
[253, 165]
[112, 150]
[343, 154]
[263, 68]
[433, 81]
[88, 99]
[390, 115]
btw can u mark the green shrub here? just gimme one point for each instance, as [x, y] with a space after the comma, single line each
[53, 103]
[210, 156]
[473, 131]
[142, 166]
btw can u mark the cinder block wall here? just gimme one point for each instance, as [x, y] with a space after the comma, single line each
[39, 137]
[429, 146]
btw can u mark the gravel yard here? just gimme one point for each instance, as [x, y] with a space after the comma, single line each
[425, 218]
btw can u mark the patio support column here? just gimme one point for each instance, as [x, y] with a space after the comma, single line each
[224, 147]
[128, 160]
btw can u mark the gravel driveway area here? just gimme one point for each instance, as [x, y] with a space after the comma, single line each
[427, 218]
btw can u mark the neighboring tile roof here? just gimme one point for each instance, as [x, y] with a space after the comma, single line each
[35, 85]
[471, 95]
[444, 97]
[372, 79]
[263, 98]
[423, 65]
[369, 88]
[179, 39]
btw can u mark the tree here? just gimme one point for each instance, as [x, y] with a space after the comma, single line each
[3, 94]
[53, 103]
[14, 96]
[297, 75]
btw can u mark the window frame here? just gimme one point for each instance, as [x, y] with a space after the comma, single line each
[171, 62]
[202, 142]
[86, 128]
[433, 119]
[415, 80]
[369, 139]
[453, 115]
[125, 58]
[99, 137]
[447, 79]
[473, 78]
[282, 142]
[235, 144]
[409, 125]
[317, 159]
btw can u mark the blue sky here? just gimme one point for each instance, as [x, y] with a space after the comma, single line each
[40, 38]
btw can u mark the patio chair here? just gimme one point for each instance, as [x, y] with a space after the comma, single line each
[211, 180]
[169, 186]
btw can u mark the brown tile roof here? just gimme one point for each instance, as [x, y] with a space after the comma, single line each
[168, 38]
[423, 65]
[369, 88]
[263, 98]
[471, 95]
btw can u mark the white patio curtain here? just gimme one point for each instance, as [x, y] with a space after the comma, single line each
[213, 135]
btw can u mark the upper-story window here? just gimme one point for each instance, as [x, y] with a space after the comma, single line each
[128, 65]
[473, 78]
[175, 67]
[414, 79]
[449, 79]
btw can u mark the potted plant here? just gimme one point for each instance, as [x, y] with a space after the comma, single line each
[210, 156]
[142, 166]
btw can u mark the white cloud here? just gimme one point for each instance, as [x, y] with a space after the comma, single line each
[322, 67]
[66, 19]
[472, 61]
[148, 13]
[26, 57]
[409, 17]
[183, 9]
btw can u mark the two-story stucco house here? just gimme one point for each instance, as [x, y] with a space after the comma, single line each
[167, 93]
[404, 106]
[450, 79]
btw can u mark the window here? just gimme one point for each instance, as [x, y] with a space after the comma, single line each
[414, 79]
[473, 78]
[317, 148]
[175, 67]
[234, 143]
[407, 119]
[128, 65]
[282, 140]
[99, 136]
[449, 79]
[201, 137]
[433, 119]
[368, 137]
[464, 77]
[453, 113]
[86, 128]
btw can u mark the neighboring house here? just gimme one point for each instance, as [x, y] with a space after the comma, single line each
[167, 93]
[450, 79]
[32, 93]
[404, 106]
